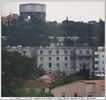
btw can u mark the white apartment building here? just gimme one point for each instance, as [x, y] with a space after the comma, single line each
[100, 61]
[64, 59]
[54, 59]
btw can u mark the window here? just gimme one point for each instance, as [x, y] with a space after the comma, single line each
[80, 52]
[24, 52]
[57, 64]
[80, 64]
[41, 52]
[50, 52]
[80, 58]
[75, 94]
[50, 65]
[63, 94]
[57, 58]
[103, 62]
[90, 94]
[96, 68]
[102, 55]
[65, 64]
[65, 58]
[71, 52]
[50, 58]
[41, 58]
[49, 71]
[87, 51]
[87, 64]
[57, 52]
[65, 52]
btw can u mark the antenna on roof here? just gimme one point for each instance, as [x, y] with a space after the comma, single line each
[67, 18]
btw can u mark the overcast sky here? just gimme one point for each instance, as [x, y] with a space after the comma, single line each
[58, 11]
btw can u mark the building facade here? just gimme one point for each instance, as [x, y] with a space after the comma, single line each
[83, 88]
[33, 10]
[100, 61]
[64, 59]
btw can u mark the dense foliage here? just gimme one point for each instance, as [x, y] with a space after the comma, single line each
[16, 69]
[36, 32]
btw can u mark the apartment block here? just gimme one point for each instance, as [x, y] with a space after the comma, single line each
[100, 61]
[66, 60]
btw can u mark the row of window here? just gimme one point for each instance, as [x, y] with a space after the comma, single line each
[57, 65]
[50, 65]
[65, 52]
[90, 94]
[57, 58]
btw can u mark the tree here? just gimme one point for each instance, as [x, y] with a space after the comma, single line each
[101, 37]
[68, 42]
[85, 71]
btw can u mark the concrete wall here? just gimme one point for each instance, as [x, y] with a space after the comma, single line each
[100, 60]
[34, 7]
[71, 65]
[69, 58]
[82, 90]
[69, 90]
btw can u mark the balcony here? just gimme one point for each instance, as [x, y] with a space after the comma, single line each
[96, 53]
[84, 55]
[96, 59]
[96, 65]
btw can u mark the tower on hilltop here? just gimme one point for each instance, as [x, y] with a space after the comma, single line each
[33, 10]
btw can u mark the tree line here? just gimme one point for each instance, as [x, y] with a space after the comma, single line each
[36, 32]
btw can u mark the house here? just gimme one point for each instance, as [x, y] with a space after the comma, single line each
[83, 88]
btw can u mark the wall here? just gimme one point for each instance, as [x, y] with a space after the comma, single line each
[69, 90]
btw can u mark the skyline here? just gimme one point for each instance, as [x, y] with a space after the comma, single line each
[58, 11]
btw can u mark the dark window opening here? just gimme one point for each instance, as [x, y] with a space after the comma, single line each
[50, 58]
[65, 52]
[65, 64]
[65, 58]
[24, 52]
[75, 94]
[57, 52]
[90, 94]
[63, 94]
[50, 65]
[80, 64]
[41, 58]
[57, 58]
[80, 52]
[50, 51]
[87, 52]
[57, 64]
[41, 52]
[49, 71]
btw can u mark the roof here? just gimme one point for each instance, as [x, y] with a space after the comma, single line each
[45, 77]
[98, 82]
[48, 78]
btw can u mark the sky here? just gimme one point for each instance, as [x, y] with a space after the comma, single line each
[58, 11]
